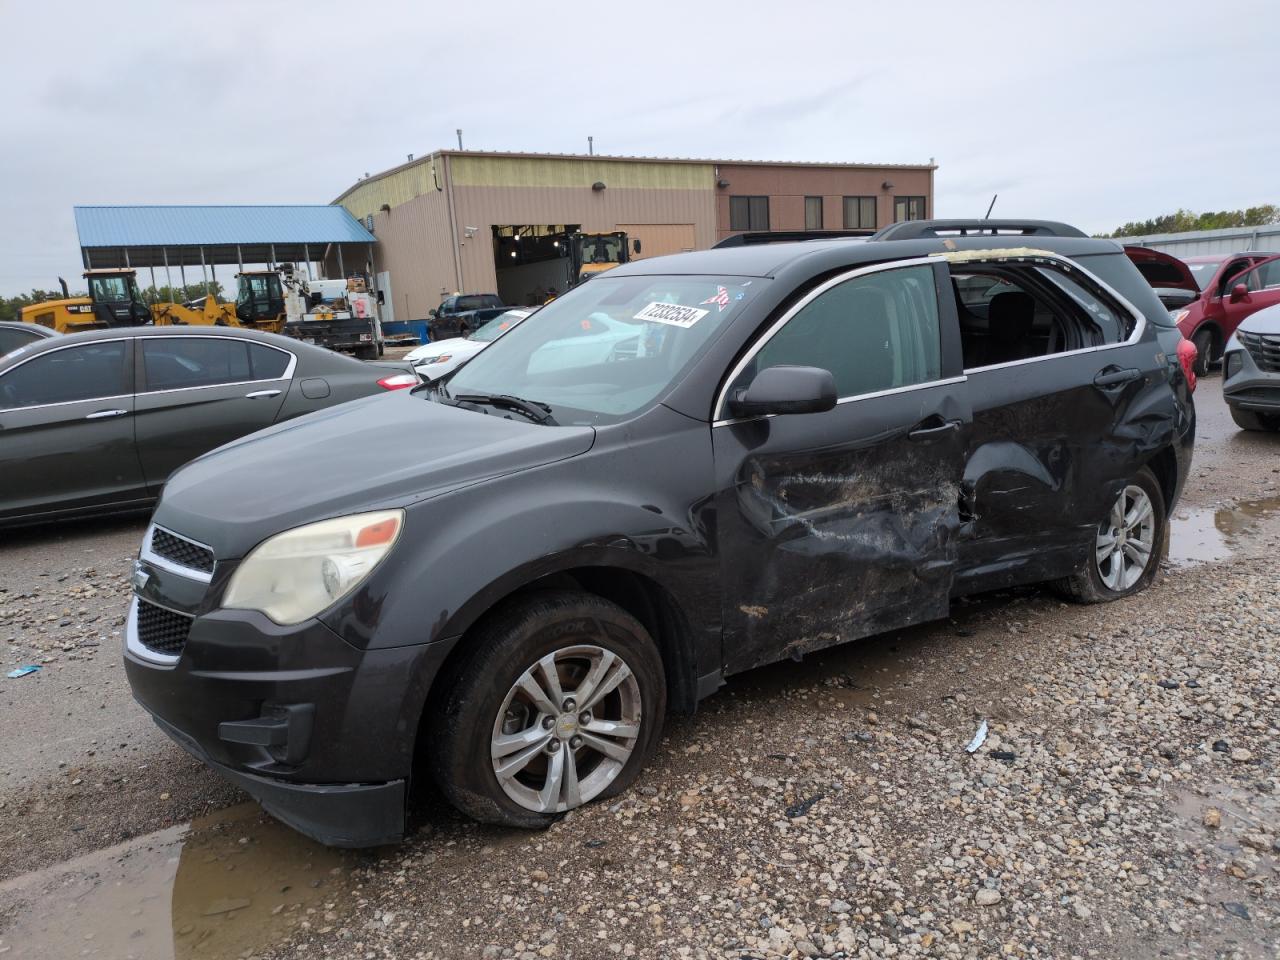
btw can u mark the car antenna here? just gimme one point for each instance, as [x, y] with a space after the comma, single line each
[994, 197]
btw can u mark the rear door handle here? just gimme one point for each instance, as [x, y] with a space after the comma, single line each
[103, 414]
[260, 394]
[931, 428]
[1110, 377]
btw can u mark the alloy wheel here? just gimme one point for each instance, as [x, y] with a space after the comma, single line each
[1126, 540]
[566, 729]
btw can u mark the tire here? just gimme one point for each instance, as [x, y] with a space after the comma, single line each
[484, 711]
[1204, 341]
[1249, 420]
[1097, 581]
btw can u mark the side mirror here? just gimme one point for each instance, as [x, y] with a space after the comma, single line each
[635, 246]
[1239, 292]
[781, 390]
[431, 314]
[382, 299]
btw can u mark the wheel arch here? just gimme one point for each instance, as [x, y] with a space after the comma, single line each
[618, 579]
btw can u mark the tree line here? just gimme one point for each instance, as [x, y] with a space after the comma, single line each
[1183, 221]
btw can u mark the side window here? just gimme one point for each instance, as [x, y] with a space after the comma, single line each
[267, 363]
[89, 372]
[11, 339]
[176, 363]
[873, 332]
[1022, 311]
[1263, 277]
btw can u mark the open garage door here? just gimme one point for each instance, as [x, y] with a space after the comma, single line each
[532, 262]
[659, 239]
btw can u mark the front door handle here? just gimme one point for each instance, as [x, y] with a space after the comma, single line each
[932, 428]
[103, 414]
[261, 394]
[1111, 377]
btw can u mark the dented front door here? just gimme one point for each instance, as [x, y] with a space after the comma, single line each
[837, 525]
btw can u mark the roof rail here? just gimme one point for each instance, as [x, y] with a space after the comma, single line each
[937, 229]
[788, 236]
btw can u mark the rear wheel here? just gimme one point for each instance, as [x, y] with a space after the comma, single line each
[1250, 420]
[561, 703]
[1127, 545]
[1205, 343]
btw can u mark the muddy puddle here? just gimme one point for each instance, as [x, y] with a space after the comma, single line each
[229, 885]
[1199, 535]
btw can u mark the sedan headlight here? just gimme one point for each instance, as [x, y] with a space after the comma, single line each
[296, 574]
[441, 358]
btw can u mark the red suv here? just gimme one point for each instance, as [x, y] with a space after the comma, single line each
[1232, 286]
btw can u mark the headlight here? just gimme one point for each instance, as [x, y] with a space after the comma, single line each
[440, 359]
[1232, 365]
[1179, 316]
[296, 574]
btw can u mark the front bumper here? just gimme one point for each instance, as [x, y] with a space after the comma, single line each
[1249, 386]
[321, 733]
[337, 815]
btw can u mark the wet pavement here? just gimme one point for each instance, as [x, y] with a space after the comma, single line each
[219, 888]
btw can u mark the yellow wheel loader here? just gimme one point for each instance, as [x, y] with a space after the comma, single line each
[115, 301]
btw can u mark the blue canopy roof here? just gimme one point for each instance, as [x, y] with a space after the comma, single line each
[142, 235]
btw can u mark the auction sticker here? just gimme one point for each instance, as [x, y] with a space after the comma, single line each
[672, 313]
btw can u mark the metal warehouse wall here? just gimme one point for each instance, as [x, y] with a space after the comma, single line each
[1203, 242]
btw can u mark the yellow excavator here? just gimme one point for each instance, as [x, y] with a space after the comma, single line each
[115, 301]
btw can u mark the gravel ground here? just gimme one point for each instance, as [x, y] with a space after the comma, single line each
[1125, 801]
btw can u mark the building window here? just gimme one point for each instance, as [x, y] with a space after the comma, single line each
[813, 213]
[859, 213]
[748, 213]
[908, 208]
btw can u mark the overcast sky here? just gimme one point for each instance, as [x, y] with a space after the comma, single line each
[1095, 113]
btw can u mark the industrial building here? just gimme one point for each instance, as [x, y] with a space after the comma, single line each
[475, 221]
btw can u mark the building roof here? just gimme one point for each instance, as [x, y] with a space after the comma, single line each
[620, 158]
[177, 226]
[144, 235]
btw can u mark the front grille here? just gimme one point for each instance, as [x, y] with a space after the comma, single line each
[161, 630]
[1264, 348]
[181, 551]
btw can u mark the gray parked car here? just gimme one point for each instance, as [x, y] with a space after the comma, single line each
[15, 335]
[96, 422]
[1251, 371]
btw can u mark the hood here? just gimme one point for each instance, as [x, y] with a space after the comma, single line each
[381, 451]
[435, 348]
[1265, 321]
[1162, 270]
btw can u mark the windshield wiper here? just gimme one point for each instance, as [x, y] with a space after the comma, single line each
[535, 410]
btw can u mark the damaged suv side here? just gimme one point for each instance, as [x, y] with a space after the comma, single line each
[506, 578]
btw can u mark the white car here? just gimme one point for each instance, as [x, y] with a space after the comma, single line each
[431, 361]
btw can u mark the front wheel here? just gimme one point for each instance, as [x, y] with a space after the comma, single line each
[1127, 545]
[561, 703]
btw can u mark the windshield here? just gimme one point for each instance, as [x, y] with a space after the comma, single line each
[1203, 272]
[109, 289]
[605, 350]
[602, 248]
[498, 326]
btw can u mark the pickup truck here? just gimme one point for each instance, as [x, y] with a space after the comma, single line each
[463, 313]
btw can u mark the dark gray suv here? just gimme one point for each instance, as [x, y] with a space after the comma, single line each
[502, 581]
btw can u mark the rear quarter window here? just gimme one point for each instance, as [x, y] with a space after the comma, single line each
[1118, 272]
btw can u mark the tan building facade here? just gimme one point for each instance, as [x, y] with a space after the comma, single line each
[445, 222]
